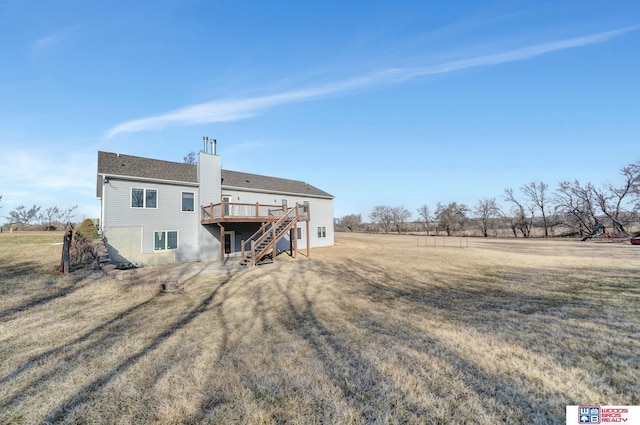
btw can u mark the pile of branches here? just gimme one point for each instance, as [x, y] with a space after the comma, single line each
[82, 250]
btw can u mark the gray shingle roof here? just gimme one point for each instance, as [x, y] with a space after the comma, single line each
[273, 184]
[112, 164]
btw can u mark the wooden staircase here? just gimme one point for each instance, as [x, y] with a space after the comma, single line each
[260, 248]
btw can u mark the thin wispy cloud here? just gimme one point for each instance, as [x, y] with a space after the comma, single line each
[236, 109]
[51, 41]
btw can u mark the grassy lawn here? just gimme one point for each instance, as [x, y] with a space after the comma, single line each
[373, 330]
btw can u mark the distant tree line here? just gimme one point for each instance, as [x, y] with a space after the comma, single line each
[51, 218]
[571, 209]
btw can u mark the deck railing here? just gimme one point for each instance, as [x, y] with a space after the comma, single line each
[233, 210]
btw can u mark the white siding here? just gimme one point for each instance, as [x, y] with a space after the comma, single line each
[321, 212]
[168, 216]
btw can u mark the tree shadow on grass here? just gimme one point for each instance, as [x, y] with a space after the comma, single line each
[111, 332]
[373, 394]
[474, 297]
[72, 284]
[85, 393]
[42, 357]
[21, 269]
[511, 403]
[362, 385]
[213, 402]
[472, 303]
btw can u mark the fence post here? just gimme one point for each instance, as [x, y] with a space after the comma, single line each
[66, 245]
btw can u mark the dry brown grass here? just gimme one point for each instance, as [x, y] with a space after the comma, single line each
[373, 330]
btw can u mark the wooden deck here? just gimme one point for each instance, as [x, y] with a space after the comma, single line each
[232, 212]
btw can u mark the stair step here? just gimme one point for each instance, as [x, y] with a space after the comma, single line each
[266, 245]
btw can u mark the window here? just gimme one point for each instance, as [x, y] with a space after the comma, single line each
[151, 198]
[322, 232]
[299, 231]
[163, 241]
[172, 240]
[160, 241]
[284, 203]
[144, 198]
[187, 201]
[137, 198]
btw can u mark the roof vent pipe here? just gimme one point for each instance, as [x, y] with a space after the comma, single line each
[213, 146]
[204, 143]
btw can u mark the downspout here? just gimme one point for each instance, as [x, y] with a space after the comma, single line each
[105, 182]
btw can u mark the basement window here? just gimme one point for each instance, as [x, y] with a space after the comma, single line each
[163, 241]
[322, 232]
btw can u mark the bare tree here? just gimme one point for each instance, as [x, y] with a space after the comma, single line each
[537, 194]
[351, 222]
[399, 216]
[22, 215]
[190, 158]
[520, 220]
[382, 216]
[425, 214]
[65, 215]
[577, 204]
[49, 217]
[634, 171]
[54, 216]
[487, 211]
[612, 199]
[452, 217]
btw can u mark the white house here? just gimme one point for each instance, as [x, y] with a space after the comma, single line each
[155, 211]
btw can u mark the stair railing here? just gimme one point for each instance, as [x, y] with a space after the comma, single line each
[246, 244]
[271, 233]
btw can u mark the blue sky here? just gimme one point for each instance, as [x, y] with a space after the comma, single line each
[378, 103]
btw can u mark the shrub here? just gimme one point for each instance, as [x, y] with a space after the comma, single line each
[87, 230]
